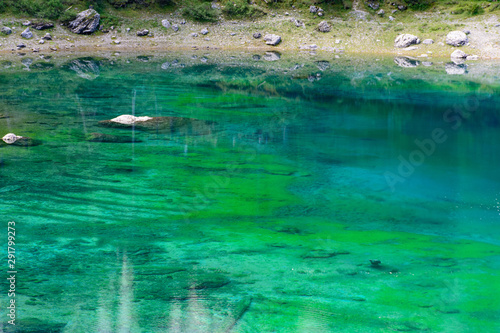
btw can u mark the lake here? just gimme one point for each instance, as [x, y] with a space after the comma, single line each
[273, 193]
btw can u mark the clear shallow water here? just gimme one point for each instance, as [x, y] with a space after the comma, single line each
[264, 220]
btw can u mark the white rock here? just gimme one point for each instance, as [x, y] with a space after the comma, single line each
[456, 38]
[428, 41]
[128, 119]
[272, 39]
[406, 40]
[165, 23]
[10, 138]
[472, 57]
[459, 54]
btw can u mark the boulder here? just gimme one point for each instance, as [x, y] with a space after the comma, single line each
[456, 38]
[373, 5]
[175, 27]
[16, 140]
[26, 23]
[313, 9]
[27, 33]
[402, 7]
[428, 41]
[143, 32]
[381, 13]
[257, 35]
[458, 54]
[86, 22]
[272, 39]
[42, 25]
[161, 124]
[406, 40]
[101, 137]
[272, 56]
[47, 36]
[166, 23]
[391, 18]
[194, 34]
[323, 26]
[6, 30]
[204, 31]
[406, 62]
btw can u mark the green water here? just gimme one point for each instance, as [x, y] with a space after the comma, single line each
[266, 217]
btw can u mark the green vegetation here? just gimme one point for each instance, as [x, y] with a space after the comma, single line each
[200, 11]
[206, 11]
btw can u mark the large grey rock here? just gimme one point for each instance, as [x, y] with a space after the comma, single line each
[313, 9]
[42, 25]
[257, 35]
[323, 26]
[381, 13]
[175, 27]
[143, 32]
[86, 22]
[406, 40]
[272, 39]
[27, 33]
[47, 36]
[165, 23]
[204, 31]
[6, 30]
[428, 41]
[456, 38]
[406, 62]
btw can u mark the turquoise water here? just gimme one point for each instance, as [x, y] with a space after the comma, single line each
[262, 212]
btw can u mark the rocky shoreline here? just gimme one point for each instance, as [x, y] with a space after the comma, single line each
[363, 33]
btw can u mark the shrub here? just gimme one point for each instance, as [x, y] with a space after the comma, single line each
[419, 4]
[240, 9]
[200, 11]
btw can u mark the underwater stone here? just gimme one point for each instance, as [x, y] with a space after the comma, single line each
[127, 119]
[375, 262]
[101, 137]
[10, 138]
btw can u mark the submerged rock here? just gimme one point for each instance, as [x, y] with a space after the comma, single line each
[86, 22]
[456, 38]
[16, 140]
[101, 137]
[272, 39]
[162, 124]
[406, 40]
